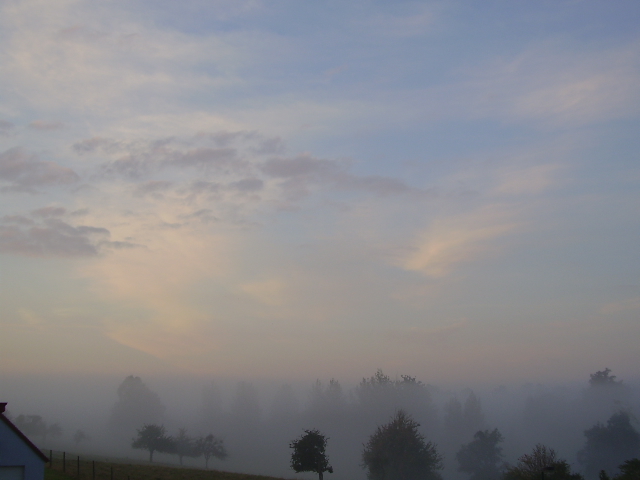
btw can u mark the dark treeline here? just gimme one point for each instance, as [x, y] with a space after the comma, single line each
[591, 428]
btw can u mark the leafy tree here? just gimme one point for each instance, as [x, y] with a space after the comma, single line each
[136, 405]
[35, 426]
[473, 416]
[608, 446]
[246, 406]
[212, 412]
[375, 389]
[397, 451]
[603, 379]
[285, 406]
[154, 439]
[542, 462]
[79, 437]
[210, 446]
[482, 458]
[630, 470]
[460, 421]
[31, 425]
[329, 398]
[453, 416]
[185, 446]
[379, 396]
[54, 430]
[309, 453]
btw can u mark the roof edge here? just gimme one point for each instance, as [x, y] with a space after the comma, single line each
[24, 438]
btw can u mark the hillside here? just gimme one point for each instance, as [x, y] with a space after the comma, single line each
[120, 470]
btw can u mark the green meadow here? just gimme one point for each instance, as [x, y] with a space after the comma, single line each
[114, 470]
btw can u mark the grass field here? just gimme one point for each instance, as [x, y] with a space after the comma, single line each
[113, 470]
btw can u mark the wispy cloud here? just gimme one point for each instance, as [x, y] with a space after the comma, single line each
[45, 125]
[23, 171]
[45, 232]
[413, 23]
[450, 242]
[51, 238]
[552, 83]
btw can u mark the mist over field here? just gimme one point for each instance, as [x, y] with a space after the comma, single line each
[258, 420]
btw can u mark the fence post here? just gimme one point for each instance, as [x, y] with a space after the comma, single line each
[78, 464]
[64, 462]
[50, 458]
[93, 469]
[111, 472]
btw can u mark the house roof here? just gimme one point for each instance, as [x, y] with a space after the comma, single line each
[22, 436]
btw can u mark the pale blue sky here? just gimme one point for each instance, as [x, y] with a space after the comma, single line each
[298, 189]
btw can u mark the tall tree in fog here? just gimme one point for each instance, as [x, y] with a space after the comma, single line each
[607, 446]
[80, 437]
[309, 453]
[550, 417]
[472, 415]
[136, 405]
[35, 426]
[285, 407]
[482, 457]
[185, 446]
[246, 406]
[629, 470]
[543, 463]
[398, 451]
[379, 396]
[327, 403]
[462, 421]
[603, 378]
[454, 417]
[605, 392]
[212, 413]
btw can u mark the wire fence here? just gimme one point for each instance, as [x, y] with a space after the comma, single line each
[88, 467]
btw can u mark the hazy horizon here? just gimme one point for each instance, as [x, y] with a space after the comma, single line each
[258, 420]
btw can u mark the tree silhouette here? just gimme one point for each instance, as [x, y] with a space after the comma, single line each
[542, 462]
[603, 379]
[210, 446]
[185, 446]
[35, 426]
[309, 453]
[136, 405]
[154, 439]
[461, 422]
[482, 458]
[609, 445]
[397, 451]
[630, 470]
[79, 437]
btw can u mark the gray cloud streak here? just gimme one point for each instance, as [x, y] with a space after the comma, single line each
[23, 171]
[47, 235]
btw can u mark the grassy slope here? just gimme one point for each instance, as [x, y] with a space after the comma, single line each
[123, 471]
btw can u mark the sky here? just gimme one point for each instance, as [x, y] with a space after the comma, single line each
[280, 189]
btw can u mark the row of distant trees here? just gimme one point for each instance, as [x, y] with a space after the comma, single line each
[154, 438]
[398, 451]
[36, 426]
[607, 447]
